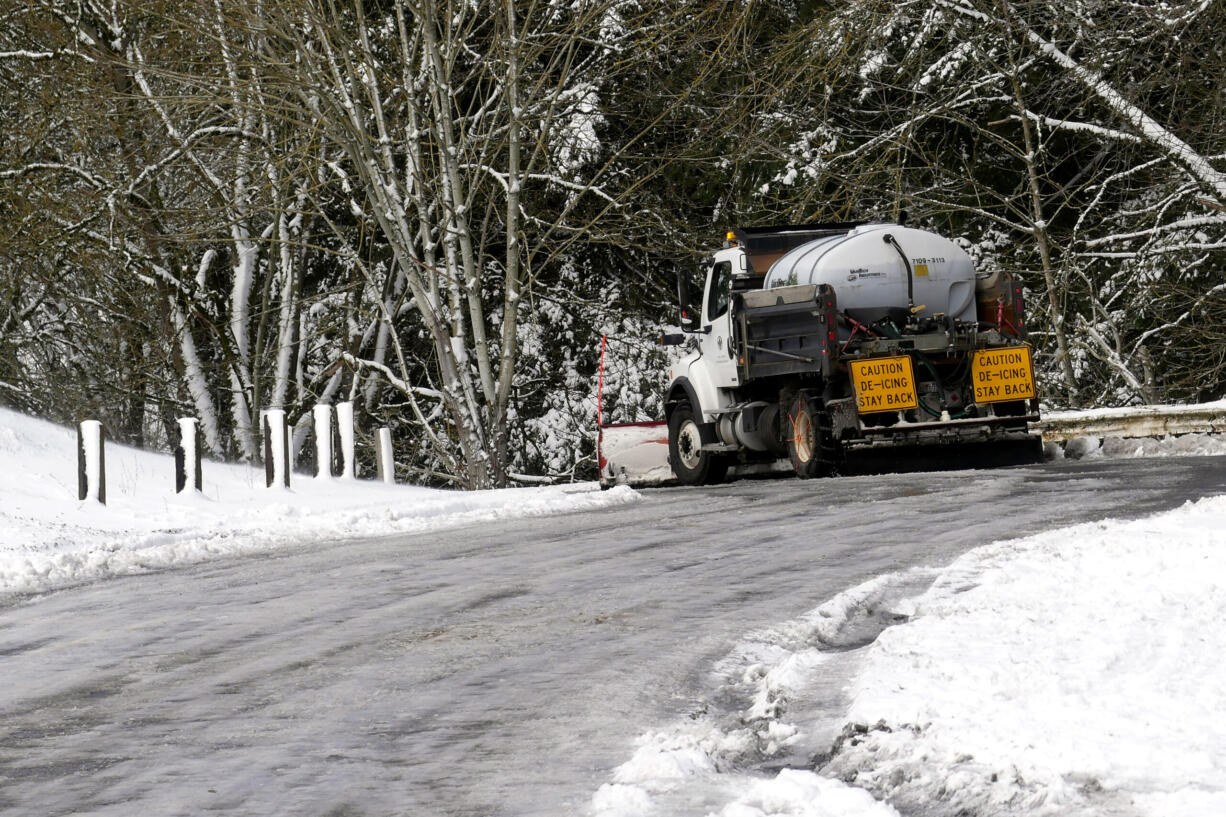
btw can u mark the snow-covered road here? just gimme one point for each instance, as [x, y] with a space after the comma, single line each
[502, 669]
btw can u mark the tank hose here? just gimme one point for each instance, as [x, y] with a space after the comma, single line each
[906, 262]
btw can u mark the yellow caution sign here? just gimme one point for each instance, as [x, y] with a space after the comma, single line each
[1003, 374]
[883, 384]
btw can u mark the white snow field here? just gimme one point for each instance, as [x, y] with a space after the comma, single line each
[49, 539]
[1081, 671]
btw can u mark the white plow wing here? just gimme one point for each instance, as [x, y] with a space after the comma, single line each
[634, 454]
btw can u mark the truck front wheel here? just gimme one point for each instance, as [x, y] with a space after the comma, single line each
[811, 444]
[691, 464]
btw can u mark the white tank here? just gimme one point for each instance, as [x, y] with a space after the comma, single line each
[869, 276]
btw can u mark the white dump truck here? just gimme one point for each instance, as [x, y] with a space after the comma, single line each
[815, 342]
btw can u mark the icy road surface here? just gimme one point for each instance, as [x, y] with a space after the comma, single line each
[476, 671]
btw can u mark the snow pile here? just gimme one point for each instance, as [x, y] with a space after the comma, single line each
[1076, 672]
[779, 681]
[695, 771]
[48, 539]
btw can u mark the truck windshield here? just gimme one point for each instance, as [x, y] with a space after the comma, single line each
[720, 292]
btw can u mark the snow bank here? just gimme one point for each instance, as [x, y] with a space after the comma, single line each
[1076, 672]
[48, 539]
[669, 771]
[778, 680]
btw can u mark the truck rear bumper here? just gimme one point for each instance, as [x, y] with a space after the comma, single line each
[926, 454]
[946, 432]
[991, 441]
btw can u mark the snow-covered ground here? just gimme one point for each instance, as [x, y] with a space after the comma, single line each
[1077, 672]
[48, 539]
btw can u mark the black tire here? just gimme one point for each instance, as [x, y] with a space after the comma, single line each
[691, 464]
[811, 444]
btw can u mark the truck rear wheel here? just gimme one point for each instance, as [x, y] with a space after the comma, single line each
[811, 443]
[691, 464]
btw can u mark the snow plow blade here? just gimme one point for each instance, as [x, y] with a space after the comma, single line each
[634, 454]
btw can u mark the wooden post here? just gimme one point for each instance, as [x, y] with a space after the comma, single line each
[344, 425]
[187, 456]
[383, 453]
[91, 461]
[323, 441]
[276, 448]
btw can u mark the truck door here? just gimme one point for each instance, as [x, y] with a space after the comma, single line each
[716, 343]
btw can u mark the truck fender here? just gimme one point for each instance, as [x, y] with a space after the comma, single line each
[680, 392]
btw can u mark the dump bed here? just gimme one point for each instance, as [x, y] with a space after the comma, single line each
[787, 330]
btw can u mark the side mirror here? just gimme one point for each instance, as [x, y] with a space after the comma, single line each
[689, 318]
[672, 339]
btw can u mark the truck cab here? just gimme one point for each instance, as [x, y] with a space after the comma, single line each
[713, 363]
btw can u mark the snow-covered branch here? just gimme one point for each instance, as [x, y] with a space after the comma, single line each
[1187, 223]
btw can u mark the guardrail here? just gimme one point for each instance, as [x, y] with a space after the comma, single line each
[1134, 421]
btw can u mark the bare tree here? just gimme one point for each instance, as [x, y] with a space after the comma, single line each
[191, 185]
[471, 135]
